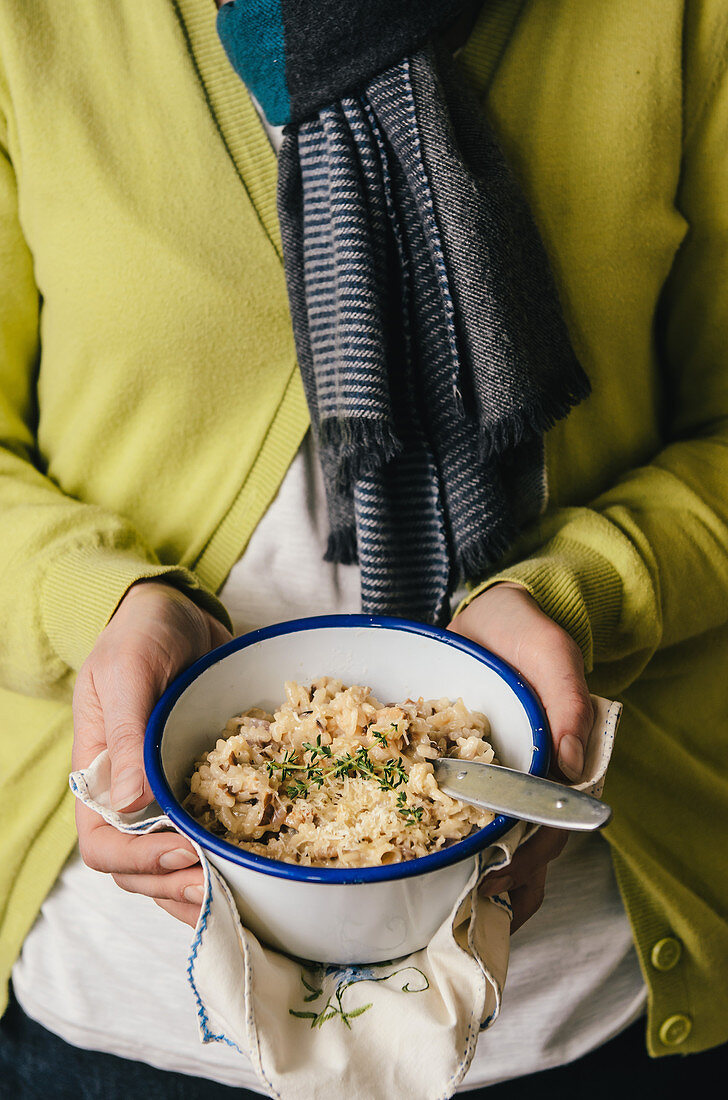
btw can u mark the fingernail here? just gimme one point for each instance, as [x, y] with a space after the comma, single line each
[193, 894]
[497, 885]
[176, 859]
[127, 787]
[571, 757]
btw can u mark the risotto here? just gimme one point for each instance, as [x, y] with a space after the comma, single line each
[334, 778]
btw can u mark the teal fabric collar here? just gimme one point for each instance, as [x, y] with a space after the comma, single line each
[297, 56]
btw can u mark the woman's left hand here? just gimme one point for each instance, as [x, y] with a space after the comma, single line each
[506, 620]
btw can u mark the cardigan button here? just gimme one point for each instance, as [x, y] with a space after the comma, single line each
[675, 1030]
[666, 953]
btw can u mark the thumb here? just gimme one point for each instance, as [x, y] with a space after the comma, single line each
[129, 700]
[559, 681]
[126, 713]
[218, 633]
[508, 621]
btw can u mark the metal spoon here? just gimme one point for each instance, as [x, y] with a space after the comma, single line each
[519, 794]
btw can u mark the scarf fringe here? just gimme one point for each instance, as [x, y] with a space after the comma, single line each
[341, 547]
[360, 446]
[524, 425]
[478, 557]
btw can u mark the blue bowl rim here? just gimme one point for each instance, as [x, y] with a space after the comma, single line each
[469, 846]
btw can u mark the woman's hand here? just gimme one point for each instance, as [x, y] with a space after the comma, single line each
[507, 620]
[155, 632]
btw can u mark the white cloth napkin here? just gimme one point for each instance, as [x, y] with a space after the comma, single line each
[405, 1029]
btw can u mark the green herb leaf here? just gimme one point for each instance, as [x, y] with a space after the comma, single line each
[311, 988]
[297, 789]
[318, 749]
[411, 814]
[324, 1016]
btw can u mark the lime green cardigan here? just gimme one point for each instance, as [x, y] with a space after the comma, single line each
[150, 401]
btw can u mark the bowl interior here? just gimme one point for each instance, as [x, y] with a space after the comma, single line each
[395, 658]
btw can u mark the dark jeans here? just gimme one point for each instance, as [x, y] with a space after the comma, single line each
[37, 1065]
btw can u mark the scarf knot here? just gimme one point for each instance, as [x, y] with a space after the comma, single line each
[297, 56]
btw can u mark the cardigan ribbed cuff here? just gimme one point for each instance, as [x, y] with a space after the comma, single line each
[83, 587]
[572, 584]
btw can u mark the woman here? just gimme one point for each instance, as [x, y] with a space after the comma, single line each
[153, 422]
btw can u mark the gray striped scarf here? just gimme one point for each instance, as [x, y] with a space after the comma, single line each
[430, 339]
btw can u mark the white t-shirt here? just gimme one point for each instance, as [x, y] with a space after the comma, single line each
[106, 969]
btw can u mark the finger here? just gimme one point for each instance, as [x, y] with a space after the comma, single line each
[565, 696]
[554, 666]
[546, 844]
[507, 620]
[527, 899]
[104, 848]
[89, 734]
[218, 633]
[128, 690]
[188, 914]
[183, 886]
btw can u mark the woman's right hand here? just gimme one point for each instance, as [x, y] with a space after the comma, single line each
[154, 634]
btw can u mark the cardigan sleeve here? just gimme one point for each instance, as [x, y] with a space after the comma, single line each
[645, 565]
[64, 565]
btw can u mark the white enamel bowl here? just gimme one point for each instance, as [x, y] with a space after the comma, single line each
[362, 915]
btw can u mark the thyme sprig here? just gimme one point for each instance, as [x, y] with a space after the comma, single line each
[297, 789]
[389, 775]
[381, 738]
[284, 767]
[316, 750]
[411, 814]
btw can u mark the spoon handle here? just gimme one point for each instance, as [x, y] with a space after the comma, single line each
[520, 795]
